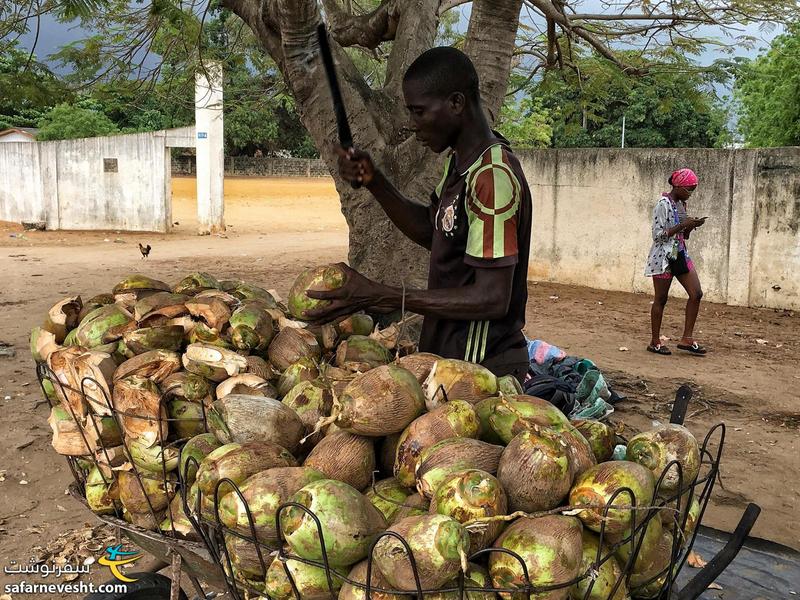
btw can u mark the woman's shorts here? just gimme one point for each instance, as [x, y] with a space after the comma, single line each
[668, 275]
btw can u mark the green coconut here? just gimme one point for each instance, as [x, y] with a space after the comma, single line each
[318, 279]
[643, 542]
[311, 582]
[444, 458]
[361, 353]
[93, 303]
[357, 324]
[514, 414]
[144, 493]
[246, 292]
[193, 453]
[252, 329]
[472, 494]
[596, 486]
[508, 385]
[238, 462]
[358, 574]
[581, 456]
[247, 418]
[438, 543]
[346, 457]
[452, 379]
[454, 419]
[104, 325]
[138, 282]
[195, 283]
[312, 401]
[72, 336]
[177, 523]
[201, 333]
[604, 586]
[263, 493]
[601, 437]
[535, 470]
[419, 363]
[477, 578]
[303, 370]
[413, 506]
[154, 459]
[249, 560]
[187, 419]
[655, 449]
[349, 522]
[551, 548]
[648, 575]
[388, 496]
[483, 410]
[98, 493]
[382, 401]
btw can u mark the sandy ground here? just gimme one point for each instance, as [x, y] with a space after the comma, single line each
[277, 227]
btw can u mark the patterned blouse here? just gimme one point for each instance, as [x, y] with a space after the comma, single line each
[666, 215]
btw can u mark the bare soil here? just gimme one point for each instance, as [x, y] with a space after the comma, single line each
[276, 227]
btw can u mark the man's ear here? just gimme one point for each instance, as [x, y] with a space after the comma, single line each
[458, 102]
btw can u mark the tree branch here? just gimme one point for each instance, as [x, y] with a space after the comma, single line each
[416, 32]
[368, 30]
[451, 4]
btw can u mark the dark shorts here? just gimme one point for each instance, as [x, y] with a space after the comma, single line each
[513, 361]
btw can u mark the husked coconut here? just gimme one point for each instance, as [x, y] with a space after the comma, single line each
[450, 456]
[244, 418]
[657, 448]
[601, 437]
[345, 457]
[419, 363]
[291, 345]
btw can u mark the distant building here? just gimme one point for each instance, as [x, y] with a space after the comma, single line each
[18, 134]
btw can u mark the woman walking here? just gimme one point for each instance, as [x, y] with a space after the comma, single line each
[670, 259]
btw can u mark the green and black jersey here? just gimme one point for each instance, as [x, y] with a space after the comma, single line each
[481, 220]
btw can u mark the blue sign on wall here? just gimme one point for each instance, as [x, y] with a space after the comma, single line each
[201, 135]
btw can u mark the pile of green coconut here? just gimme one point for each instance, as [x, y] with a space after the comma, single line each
[169, 396]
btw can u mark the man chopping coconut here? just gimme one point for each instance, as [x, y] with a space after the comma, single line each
[477, 228]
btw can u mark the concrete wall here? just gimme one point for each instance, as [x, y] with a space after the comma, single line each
[16, 136]
[116, 182]
[258, 166]
[592, 219]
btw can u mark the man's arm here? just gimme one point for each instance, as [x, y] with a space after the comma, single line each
[488, 298]
[409, 216]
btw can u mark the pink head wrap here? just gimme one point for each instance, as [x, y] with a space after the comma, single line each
[683, 178]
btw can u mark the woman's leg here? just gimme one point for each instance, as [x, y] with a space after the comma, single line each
[691, 283]
[661, 287]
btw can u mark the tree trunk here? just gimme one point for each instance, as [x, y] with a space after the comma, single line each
[286, 29]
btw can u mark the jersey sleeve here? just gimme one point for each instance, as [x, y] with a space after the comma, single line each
[492, 201]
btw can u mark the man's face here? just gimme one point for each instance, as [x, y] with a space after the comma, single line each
[434, 121]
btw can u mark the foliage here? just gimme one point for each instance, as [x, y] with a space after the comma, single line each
[768, 92]
[672, 106]
[526, 124]
[69, 121]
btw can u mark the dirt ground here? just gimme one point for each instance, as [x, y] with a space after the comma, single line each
[749, 381]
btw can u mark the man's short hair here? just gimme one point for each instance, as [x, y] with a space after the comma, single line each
[444, 71]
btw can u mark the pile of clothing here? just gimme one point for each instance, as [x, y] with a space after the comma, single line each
[574, 385]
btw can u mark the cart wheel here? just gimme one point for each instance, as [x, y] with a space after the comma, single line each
[148, 586]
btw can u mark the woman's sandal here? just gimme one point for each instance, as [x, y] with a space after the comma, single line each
[659, 349]
[695, 348]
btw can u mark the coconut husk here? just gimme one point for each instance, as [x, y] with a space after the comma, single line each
[216, 364]
[344, 457]
[187, 418]
[292, 344]
[163, 337]
[156, 365]
[358, 574]
[472, 494]
[419, 363]
[414, 506]
[176, 523]
[203, 334]
[262, 495]
[103, 431]
[246, 292]
[551, 548]
[196, 388]
[238, 462]
[514, 414]
[535, 471]
[110, 459]
[596, 486]
[94, 303]
[161, 304]
[303, 370]
[310, 581]
[439, 545]
[386, 452]
[357, 324]
[243, 418]
[382, 401]
[63, 317]
[247, 383]
[66, 387]
[157, 459]
[173, 385]
[145, 418]
[192, 454]
[185, 322]
[93, 371]
[397, 336]
[138, 282]
[458, 379]
[144, 493]
[43, 344]
[581, 457]
[252, 328]
[98, 494]
[246, 560]
[508, 385]
[258, 366]
[359, 354]
[608, 573]
[388, 496]
[68, 437]
[449, 456]
[104, 325]
[230, 300]
[193, 284]
[454, 419]
[212, 310]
